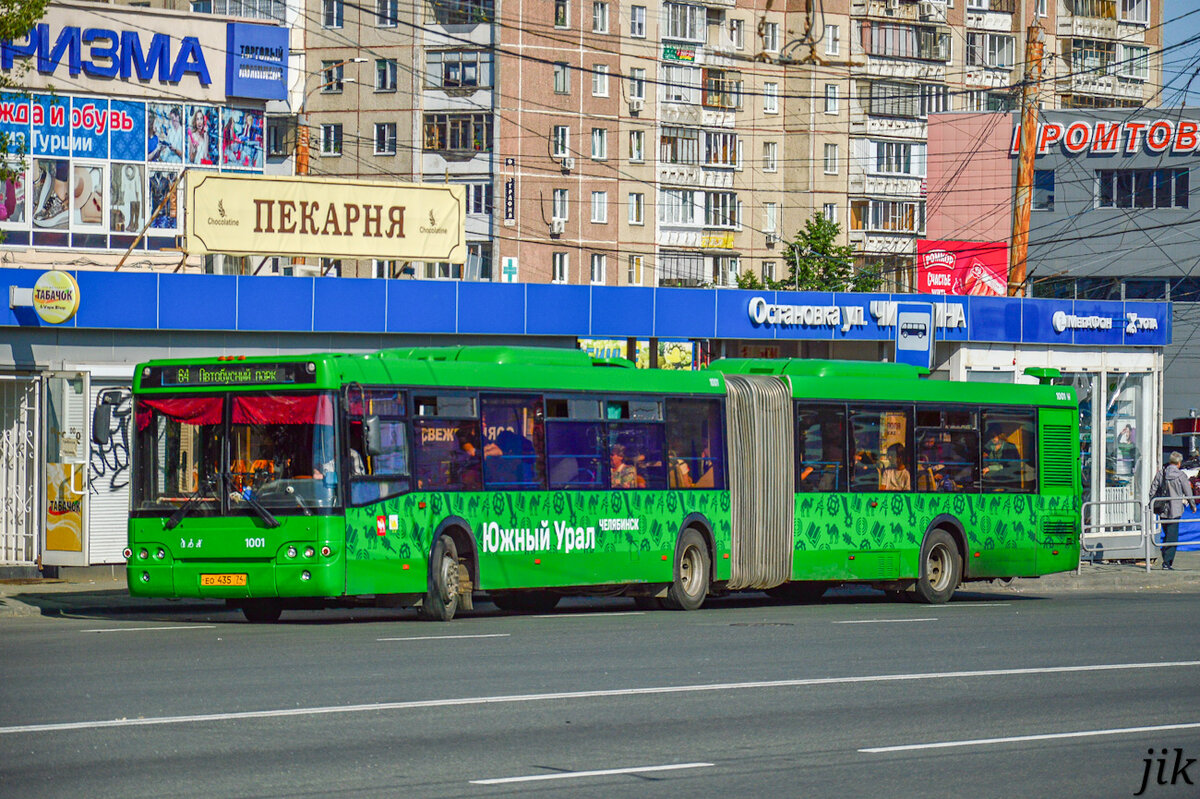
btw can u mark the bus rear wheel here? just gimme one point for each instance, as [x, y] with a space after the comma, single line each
[940, 569]
[262, 611]
[689, 588]
[441, 596]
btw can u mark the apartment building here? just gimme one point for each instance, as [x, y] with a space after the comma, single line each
[630, 142]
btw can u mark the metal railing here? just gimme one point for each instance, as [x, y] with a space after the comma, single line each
[1134, 520]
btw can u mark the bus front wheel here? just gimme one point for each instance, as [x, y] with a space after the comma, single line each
[940, 569]
[441, 597]
[689, 588]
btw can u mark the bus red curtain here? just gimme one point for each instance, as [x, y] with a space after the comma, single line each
[189, 410]
[281, 409]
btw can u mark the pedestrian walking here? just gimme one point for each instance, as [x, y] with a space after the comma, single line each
[1169, 490]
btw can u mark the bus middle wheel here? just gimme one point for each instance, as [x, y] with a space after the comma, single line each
[940, 569]
[689, 588]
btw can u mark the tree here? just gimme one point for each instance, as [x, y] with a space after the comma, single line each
[817, 263]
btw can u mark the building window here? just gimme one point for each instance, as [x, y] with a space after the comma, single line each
[1134, 62]
[599, 143]
[770, 34]
[637, 83]
[331, 139]
[456, 69]
[680, 84]
[725, 270]
[935, 98]
[385, 13]
[891, 40]
[1092, 56]
[1043, 189]
[899, 158]
[458, 132]
[770, 98]
[677, 207]
[1142, 188]
[562, 13]
[599, 268]
[562, 83]
[600, 16]
[559, 208]
[684, 21]
[831, 159]
[833, 40]
[720, 209]
[637, 22]
[894, 100]
[634, 276]
[332, 13]
[720, 149]
[829, 211]
[887, 216]
[637, 145]
[991, 50]
[479, 198]
[831, 98]
[737, 34]
[331, 267]
[722, 89]
[990, 101]
[1135, 11]
[385, 138]
[463, 12]
[768, 270]
[558, 265]
[385, 269]
[637, 209]
[385, 75]
[278, 136]
[600, 80]
[679, 146]
[561, 138]
[332, 76]
[770, 156]
[1041, 8]
[770, 217]
[600, 207]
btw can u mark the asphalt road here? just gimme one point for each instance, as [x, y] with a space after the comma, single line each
[993, 695]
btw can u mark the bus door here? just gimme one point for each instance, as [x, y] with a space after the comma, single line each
[67, 442]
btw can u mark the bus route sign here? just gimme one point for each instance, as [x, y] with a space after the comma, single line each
[234, 374]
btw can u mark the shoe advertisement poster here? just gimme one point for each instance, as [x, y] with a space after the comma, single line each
[97, 167]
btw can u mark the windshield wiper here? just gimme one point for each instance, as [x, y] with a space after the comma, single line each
[193, 499]
[254, 504]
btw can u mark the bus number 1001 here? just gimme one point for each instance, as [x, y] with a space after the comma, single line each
[255, 543]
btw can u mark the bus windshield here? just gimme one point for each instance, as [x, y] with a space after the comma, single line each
[281, 452]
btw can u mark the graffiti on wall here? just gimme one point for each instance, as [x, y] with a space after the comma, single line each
[109, 462]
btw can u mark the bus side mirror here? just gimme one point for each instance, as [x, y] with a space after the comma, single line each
[101, 419]
[372, 435]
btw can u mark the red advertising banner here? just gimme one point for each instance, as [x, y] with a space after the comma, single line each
[962, 267]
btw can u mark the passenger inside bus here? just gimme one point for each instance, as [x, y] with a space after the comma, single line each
[893, 470]
[622, 474]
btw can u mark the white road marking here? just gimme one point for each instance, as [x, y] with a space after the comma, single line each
[882, 621]
[151, 629]
[1043, 737]
[960, 605]
[588, 615]
[570, 775]
[599, 694]
[445, 637]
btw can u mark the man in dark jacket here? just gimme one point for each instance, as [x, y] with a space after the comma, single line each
[1172, 483]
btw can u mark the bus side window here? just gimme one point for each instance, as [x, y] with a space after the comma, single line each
[879, 440]
[639, 447]
[695, 444]
[1009, 451]
[576, 455]
[820, 448]
[514, 447]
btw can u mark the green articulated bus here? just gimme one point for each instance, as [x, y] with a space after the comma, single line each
[422, 476]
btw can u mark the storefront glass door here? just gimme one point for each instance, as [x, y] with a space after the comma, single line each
[65, 474]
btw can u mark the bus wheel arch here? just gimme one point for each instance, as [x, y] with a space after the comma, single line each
[458, 529]
[445, 593]
[700, 523]
[954, 528]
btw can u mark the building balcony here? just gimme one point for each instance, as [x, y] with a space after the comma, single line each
[1087, 27]
[1109, 86]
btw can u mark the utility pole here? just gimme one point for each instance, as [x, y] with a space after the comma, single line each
[1034, 45]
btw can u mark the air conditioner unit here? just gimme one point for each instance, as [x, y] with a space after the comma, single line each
[893, 6]
[557, 226]
[772, 239]
[932, 11]
[636, 104]
[568, 164]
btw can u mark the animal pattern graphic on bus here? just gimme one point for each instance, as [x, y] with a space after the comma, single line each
[898, 521]
[659, 515]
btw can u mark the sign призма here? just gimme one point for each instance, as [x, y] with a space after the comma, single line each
[326, 217]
